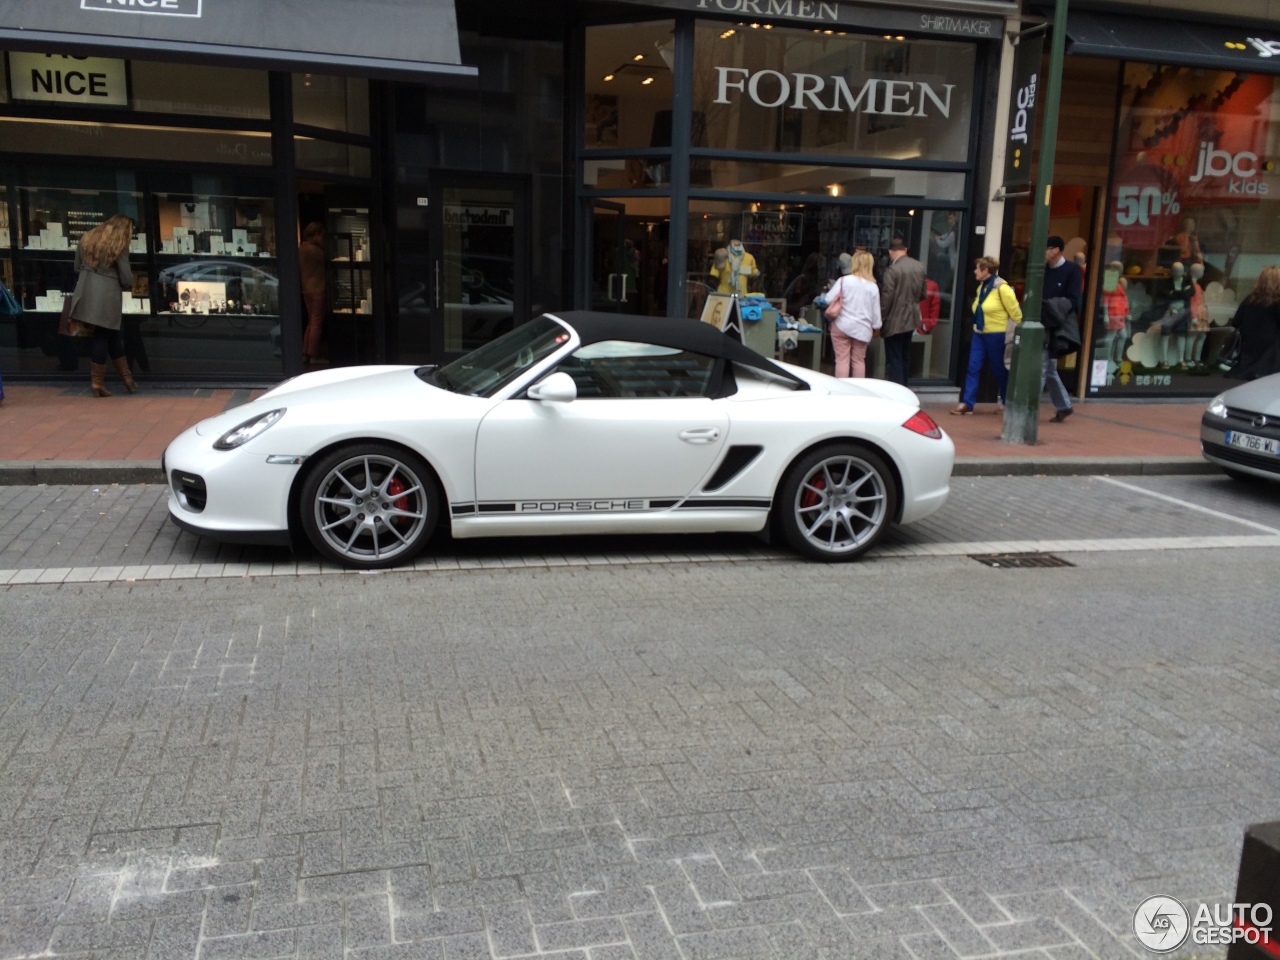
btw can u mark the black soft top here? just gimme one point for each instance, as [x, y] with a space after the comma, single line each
[692, 335]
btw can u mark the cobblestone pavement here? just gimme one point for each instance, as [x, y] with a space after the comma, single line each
[903, 759]
[124, 530]
[705, 760]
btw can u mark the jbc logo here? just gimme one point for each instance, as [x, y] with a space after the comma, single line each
[1241, 167]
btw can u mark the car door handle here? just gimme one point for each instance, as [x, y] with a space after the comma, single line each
[700, 435]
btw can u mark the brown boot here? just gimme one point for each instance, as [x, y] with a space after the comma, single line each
[122, 368]
[98, 379]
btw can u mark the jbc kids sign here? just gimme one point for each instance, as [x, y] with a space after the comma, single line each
[53, 78]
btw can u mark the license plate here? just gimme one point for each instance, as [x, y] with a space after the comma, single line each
[1247, 441]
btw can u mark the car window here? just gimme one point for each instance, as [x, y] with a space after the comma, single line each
[622, 368]
[487, 369]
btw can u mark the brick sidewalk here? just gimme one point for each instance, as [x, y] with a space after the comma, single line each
[66, 423]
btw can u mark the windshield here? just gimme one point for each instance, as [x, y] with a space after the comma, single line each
[487, 369]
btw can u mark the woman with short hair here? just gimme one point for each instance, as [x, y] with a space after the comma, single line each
[103, 274]
[859, 315]
[995, 308]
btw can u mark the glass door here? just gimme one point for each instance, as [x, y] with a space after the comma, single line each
[629, 255]
[479, 274]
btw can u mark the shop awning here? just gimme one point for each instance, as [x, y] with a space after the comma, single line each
[1152, 40]
[397, 39]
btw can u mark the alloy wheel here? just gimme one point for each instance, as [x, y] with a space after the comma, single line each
[371, 508]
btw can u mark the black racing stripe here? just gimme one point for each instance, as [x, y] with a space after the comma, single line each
[462, 509]
[662, 504]
[713, 503]
[497, 508]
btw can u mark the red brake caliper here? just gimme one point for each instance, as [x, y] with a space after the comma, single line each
[396, 486]
[810, 498]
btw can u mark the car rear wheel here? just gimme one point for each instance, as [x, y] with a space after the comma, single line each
[369, 506]
[836, 502]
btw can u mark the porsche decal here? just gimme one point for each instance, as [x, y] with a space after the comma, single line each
[605, 505]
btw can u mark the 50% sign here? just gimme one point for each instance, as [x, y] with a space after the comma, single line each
[1136, 205]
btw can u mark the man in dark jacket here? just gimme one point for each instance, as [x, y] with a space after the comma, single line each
[901, 289]
[1065, 279]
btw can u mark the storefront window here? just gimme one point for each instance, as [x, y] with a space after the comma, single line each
[76, 138]
[758, 177]
[629, 86]
[799, 91]
[629, 255]
[159, 87]
[334, 103]
[206, 290]
[1193, 221]
[791, 252]
[329, 156]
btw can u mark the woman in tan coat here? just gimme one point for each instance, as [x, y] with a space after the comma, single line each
[103, 274]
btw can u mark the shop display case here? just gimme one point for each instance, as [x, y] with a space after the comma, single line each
[350, 283]
[215, 257]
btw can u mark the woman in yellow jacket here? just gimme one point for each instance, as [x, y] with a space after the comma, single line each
[994, 308]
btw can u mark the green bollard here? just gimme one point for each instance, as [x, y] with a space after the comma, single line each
[1022, 403]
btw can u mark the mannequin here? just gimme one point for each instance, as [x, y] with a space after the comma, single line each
[1174, 324]
[1198, 327]
[737, 268]
[1116, 313]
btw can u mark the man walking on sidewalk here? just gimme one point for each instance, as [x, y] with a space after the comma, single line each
[901, 289]
[1062, 278]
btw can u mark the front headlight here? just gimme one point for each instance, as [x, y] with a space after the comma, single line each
[247, 430]
[1218, 406]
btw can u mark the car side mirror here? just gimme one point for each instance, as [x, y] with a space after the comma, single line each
[557, 388]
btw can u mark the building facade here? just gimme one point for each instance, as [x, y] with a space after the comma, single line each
[592, 156]
[1165, 190]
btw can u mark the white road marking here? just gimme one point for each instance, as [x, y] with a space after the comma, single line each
[204, 571]
[1188, 505]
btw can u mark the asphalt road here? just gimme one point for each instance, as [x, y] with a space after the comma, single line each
[649, 750]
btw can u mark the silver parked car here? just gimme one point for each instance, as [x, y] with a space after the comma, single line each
[1240, 431]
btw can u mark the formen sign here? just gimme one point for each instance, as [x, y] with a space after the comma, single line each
[164, 8]
[799, 91]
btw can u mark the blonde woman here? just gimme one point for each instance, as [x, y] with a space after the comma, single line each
[859, 313]
[103, 274]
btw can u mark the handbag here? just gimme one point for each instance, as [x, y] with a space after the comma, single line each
[9, 305]
[1229, 355]
[69, 327]
[832, 311]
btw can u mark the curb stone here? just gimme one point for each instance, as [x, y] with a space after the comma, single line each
[97, 472]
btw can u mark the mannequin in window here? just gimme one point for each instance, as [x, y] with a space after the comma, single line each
[1198, 326]
[312, 257]
[738, 267]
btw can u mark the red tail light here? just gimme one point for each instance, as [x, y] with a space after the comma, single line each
[924, 425]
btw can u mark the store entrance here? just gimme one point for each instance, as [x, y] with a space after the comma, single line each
[336, 263]
[629, 255]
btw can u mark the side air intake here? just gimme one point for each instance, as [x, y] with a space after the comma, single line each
[736, 459]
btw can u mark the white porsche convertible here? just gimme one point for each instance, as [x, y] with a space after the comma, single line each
[572, 423]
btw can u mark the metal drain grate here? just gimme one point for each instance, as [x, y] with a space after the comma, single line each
[1022, 560]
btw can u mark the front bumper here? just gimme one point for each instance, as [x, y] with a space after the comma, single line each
[246, 499]
[1213, 445]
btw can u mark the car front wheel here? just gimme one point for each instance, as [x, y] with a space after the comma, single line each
[836, 502]
[369, 506]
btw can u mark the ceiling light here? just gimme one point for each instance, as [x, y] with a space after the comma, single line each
[608, 77]
[888, 36]
[755, 26]
[834, 189]
[768, 26]
[646, 81]
[899, 38]
[728, 33]
[640, 56]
